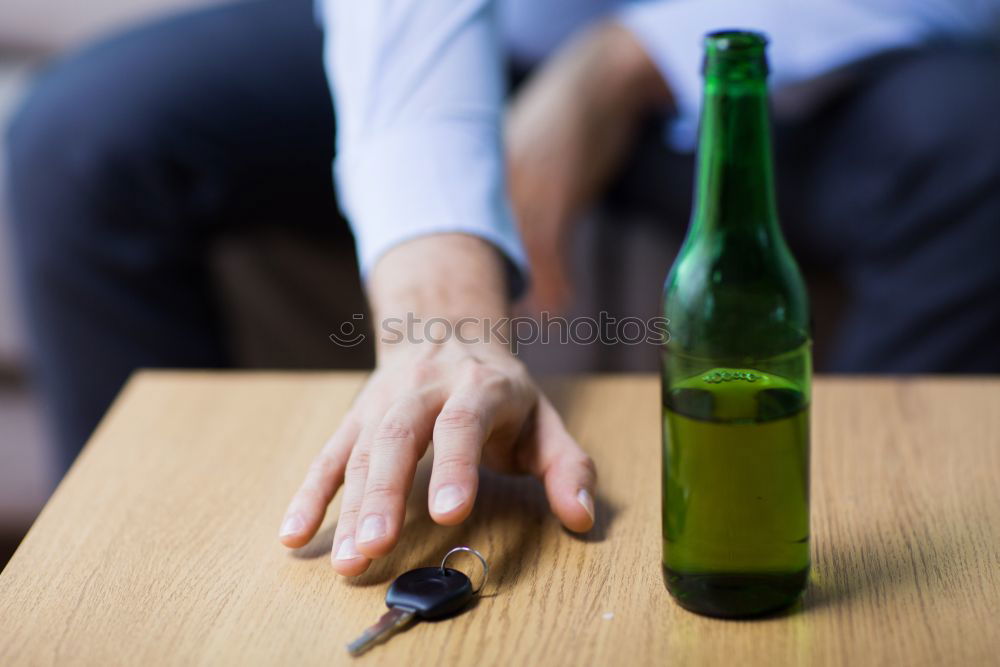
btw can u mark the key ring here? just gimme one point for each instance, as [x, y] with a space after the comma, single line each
[486, 567]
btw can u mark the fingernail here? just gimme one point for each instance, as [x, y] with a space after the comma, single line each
[584, 498]
[447, 498]
[347, 550]
[372, 528]
[292, 525]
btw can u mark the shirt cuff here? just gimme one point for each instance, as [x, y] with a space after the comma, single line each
[399, 184]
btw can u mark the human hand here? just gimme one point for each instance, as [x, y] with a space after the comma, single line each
[478, 404]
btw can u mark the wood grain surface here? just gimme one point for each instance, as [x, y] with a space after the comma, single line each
[160, 545]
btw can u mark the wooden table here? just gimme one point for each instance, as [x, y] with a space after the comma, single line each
[160, 545]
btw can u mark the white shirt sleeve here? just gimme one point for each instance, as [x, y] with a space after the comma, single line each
[418, 88]
[807, 37]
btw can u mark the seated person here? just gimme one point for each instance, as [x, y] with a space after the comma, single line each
[131, 157]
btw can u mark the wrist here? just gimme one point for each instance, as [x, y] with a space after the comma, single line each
[445, 292]
[407, 352]
[450, 276]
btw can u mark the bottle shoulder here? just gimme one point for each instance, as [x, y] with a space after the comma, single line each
[736, 296]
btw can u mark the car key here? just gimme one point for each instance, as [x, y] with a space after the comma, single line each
[425, 593]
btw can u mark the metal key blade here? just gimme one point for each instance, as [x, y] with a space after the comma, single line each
[391, 622]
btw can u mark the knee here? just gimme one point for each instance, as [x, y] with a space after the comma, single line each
[75, 143]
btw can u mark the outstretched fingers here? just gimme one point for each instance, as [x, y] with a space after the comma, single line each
[344, 555]
[396, 447]
[460, 432]
[325, 475]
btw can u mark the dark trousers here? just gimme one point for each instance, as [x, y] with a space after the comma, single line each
[129, 159]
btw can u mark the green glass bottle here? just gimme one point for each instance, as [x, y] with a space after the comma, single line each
[737, 367]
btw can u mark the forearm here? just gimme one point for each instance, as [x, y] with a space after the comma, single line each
[622, 74]
[567, 133]
[600, 87]
[623, 88]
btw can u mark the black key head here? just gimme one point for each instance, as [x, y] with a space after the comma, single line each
[430, 592]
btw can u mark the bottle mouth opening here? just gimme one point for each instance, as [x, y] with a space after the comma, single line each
[735, 55]
[735, 41]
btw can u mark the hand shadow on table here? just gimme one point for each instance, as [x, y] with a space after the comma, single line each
[514, 507]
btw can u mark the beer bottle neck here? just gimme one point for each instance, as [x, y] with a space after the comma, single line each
[734, 187]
